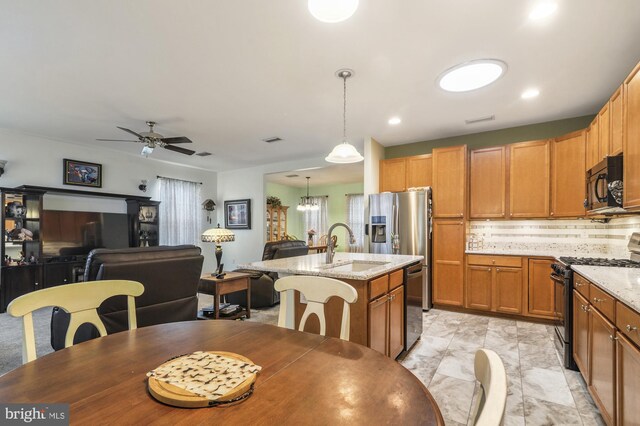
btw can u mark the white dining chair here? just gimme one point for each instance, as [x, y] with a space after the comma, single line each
[491, 401]
[81, 300]
[317, 291]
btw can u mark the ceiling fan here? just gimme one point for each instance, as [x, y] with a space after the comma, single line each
[152, 140]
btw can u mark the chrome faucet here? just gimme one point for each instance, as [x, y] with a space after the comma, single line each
[331, 250]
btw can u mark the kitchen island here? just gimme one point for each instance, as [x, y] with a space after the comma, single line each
[379, 316]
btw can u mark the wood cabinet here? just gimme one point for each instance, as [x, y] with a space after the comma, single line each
[494, 283]
[581, 334]
[449, 182]
[604, 131]
[393, 175]
[602, 358]
[448, 262]
[378, 324]
[627, 381]
[593, 144]
[396, 322]
[616, 121]
[386, 319]
[567, 175]
[276, 222]
[529, 175]
[631, 135]
[541, 298]
[400, 174]
[488, 183]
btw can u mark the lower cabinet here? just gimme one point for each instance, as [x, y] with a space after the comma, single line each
[602, 360]
[19, 280]
[628, 381]
[494, 283]
[581, 334]
[386, 323]
[541, 298]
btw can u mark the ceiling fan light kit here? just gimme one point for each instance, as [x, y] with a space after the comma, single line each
[151, 140]
[344, 153]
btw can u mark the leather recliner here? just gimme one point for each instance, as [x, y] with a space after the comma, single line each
[170, 275]
[262, 292]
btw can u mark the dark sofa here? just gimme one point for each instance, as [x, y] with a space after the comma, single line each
[262, 291]
[170, 275]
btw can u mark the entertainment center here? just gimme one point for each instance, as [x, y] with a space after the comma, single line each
[45, 248]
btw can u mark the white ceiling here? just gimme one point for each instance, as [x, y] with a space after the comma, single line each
[227, 74]
[330, 175]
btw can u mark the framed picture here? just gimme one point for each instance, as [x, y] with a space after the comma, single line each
[82, 173]
[237, 214]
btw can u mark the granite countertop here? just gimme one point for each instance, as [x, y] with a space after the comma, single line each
[622, 283]
[314, 264]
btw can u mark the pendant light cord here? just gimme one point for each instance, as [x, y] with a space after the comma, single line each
[344, 109]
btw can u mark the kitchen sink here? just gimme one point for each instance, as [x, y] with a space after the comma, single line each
[353, 265]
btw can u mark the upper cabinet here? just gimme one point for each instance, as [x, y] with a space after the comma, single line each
[449, 181]
[529, 179]
[631, 135]
[400, 174]
[593, 144]
[567, 176]
[488, 183]
[616, 121]
[604, 132]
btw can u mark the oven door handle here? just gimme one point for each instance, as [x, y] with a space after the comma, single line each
[600, 198]
[557, 278]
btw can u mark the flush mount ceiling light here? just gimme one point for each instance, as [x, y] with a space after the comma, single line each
[530, 93]
[344, 153]
[542, 10]
[307, 203]
[395, 120]
[332, 11]
[472, 75]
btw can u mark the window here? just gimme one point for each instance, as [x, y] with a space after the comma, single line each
[355, 220]
[317, 220]
[180, 213]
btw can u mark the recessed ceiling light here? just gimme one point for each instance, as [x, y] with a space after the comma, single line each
[332, 11]
[471, 75]
[542, 10]
[530, 93]
[395, 120]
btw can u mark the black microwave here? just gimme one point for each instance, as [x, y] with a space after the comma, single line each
[604, 186]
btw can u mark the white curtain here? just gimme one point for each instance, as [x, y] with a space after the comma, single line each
[180, 212]
[355, 220]
[317, 220]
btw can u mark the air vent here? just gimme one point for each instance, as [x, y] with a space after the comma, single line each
[272, 139]
[203, 154]
[481, 119]
[291, 176]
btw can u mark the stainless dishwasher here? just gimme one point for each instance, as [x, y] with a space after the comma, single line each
[413, 277]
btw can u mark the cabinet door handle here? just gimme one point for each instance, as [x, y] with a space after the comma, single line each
[596, 300]
[579, 284]
[612, 338]
[488, 269]
[497, 269]
[631, 328]
[551, 213]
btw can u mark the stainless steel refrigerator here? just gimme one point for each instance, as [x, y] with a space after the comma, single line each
[400, 223]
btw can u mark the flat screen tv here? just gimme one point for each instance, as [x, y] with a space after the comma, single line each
[68, 233]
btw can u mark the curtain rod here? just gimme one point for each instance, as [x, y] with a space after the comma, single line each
[182, 180]
[357, 193]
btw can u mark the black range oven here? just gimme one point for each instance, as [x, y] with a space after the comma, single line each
[562, 276]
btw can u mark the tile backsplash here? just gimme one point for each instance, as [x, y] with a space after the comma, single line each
[582, 236]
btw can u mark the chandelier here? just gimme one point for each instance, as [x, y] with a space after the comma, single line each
[307, 203]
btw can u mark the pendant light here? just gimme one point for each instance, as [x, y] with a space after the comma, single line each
[344, 153]
[306, 203]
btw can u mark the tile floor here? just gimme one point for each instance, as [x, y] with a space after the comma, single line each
[541, 391]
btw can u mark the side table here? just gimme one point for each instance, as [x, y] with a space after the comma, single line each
[230, 283]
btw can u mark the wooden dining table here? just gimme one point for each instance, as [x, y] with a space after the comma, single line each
[305, 379]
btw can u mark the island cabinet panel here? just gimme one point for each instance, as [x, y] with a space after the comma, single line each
[529, 170]
[541, 297]
[396, 322]
[628, 382]
[449, 182]
[602, 368]
[419, 171]
[616, 121]
[448, 262]
[567, 175]
[393, 175]
[488, 183]
[378, 325]
[631, 136]
[581, 334]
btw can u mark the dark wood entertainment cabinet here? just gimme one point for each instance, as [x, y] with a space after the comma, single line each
[16, 280]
